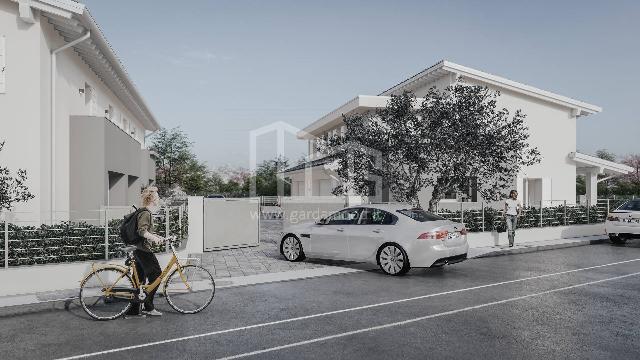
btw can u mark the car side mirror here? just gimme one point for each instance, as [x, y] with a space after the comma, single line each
[321, 221]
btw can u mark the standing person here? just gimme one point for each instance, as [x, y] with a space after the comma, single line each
[146, 261]
[512, 208]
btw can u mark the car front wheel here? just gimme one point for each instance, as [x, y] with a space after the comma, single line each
[291, 248]
[617, 239]
[393, 260]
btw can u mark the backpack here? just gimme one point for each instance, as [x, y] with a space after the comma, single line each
[129, 228]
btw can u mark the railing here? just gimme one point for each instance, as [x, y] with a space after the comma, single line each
[81, 240]
[480, 217]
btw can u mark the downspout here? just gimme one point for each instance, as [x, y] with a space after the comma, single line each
[54, 53]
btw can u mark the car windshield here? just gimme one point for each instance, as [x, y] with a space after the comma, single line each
[420, 215]
[633, 205]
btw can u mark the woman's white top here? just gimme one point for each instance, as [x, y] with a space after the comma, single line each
[512, 206]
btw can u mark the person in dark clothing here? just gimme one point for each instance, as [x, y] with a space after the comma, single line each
[146, 262]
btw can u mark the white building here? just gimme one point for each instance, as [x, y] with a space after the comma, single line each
[60, 73]
[551, 119]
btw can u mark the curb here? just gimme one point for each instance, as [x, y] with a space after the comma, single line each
[524, 249]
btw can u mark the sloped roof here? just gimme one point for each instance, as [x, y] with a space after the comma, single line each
[445, 68]
[72, 20]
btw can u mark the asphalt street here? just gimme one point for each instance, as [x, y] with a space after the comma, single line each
[575, 303]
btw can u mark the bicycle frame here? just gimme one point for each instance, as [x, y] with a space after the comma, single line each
[137, 283]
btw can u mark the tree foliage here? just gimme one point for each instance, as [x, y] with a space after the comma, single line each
[452, 140]
[173, 158]
[13, 189]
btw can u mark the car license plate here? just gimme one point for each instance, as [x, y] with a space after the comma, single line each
[634, 221]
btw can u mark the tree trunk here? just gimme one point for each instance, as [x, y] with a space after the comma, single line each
[435, 198]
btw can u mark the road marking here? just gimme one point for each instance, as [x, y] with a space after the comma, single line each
[271, 323]
[422, 318]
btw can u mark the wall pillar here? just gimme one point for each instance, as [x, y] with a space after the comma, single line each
[591, 182]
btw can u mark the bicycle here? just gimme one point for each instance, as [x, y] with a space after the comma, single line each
[109, 291]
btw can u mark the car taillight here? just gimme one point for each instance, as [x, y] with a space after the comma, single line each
[612, 218]
[434, 235]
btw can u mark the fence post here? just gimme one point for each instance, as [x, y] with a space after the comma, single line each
[106, 233]
[540, 213]
[6, 244]
[462, 213]
[180, 209]
[166, 225]
[482, 216]
[608, 208]
[565, 212]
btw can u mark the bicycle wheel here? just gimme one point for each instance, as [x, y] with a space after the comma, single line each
[105, 294]
[189, 289]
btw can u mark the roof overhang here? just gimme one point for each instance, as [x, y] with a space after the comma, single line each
[447, 68]
[359, 104]
[72, 20]
[587, 163]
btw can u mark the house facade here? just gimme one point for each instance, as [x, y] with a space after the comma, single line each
[551, 118]
[69, 113]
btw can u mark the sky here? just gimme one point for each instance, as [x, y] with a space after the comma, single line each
[219, 69]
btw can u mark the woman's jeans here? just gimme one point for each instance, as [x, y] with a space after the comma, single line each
[512, 224]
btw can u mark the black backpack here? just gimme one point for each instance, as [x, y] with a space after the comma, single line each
[129, 228]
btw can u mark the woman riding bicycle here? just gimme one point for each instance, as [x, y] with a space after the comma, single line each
[146, 261]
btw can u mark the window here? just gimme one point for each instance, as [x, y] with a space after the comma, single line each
[3, 65]
[420, 215]
[633, 205]
[344, 217]
[376, 217]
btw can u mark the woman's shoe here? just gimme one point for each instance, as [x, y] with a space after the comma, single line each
[153, 312]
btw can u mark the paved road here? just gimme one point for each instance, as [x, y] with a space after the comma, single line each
[577, 303]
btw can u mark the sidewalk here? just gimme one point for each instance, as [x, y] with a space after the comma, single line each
[265, 264]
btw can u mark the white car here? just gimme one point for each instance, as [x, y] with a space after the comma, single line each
[624, 222]
[394, 236]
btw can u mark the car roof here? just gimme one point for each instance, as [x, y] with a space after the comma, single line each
[391, 207]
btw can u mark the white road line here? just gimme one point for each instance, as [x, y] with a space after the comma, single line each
[271, 323]
[325, 338]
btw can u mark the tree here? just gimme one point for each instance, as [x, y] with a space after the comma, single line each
[605, 154]
[173, 158]
[452, 140]
[13, 189]
[267, 180]
[197, 179]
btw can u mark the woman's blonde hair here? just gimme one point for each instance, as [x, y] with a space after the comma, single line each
[149, 196]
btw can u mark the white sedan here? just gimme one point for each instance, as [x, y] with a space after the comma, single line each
[624, 222]
[394, 236]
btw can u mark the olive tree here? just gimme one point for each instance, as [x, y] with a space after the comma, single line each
[12, 189]
[452, 140]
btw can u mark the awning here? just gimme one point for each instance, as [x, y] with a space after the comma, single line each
[589, 164]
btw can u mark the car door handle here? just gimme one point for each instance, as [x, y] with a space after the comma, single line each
[341, 230]
[377, 231]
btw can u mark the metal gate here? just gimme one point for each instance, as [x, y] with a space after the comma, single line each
[231, 223]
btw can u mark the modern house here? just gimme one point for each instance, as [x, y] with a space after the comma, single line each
[69, 113]
[551, 119]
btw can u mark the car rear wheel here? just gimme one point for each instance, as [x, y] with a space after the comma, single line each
[617, 239]
[393, 260]
[291, 248]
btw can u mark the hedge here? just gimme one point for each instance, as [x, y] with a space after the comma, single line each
[76, 241]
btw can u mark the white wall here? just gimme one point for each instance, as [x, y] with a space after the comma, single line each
[20, 105]
[25, 107]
